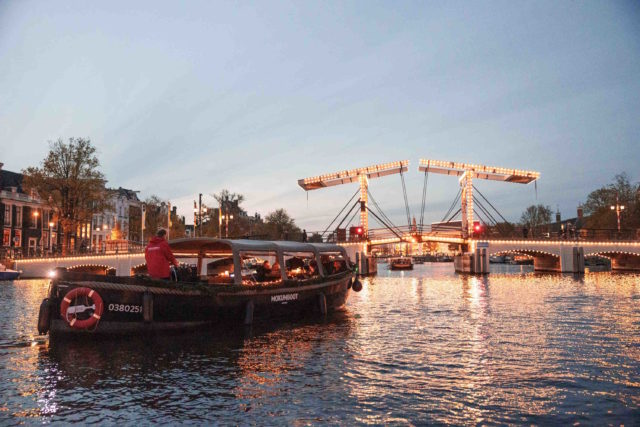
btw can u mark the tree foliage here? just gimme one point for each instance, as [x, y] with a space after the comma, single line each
[279, 225]
[70, 182]
[535, 216]
[599, 202]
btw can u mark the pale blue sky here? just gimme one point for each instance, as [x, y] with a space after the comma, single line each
[189, 97]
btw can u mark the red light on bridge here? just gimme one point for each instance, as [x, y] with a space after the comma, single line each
[477, 227]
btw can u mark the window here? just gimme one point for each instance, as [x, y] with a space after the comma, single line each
[333, 263]
[301, 265]
[6, 237]
[45, 219]
[17, 238]
[34, 218]
[260, 267]
[18, 216]
[7, 214]
[44, 241]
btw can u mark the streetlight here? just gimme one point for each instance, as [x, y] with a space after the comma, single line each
[36, 214]
[195, 217]
[226, 217]
[618, 208]
[50, 236]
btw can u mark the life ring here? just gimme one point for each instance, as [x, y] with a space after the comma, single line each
[97, 307]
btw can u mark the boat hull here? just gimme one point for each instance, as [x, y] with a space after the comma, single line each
[9, 275]
[130, 308]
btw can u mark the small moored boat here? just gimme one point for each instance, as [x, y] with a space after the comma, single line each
[219, 281]
[8, 274]
[401, 263]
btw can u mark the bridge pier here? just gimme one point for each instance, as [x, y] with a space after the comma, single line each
[571, 259]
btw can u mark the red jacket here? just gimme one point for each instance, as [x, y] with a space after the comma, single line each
[159, 256]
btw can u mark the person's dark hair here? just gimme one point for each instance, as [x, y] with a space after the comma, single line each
[161, 233]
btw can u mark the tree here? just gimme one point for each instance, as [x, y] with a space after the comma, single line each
[279, 225]
[155, 215]
[535, 216]
[69, 180]
[597, 208]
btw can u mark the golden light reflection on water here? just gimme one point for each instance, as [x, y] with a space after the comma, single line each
[422, 347]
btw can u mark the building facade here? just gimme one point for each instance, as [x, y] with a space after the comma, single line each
[122, 223]
[28, 225]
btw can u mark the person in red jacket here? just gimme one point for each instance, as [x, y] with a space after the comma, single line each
[158, 256]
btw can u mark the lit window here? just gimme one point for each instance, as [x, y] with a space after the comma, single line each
[7, 214]
[18, 216]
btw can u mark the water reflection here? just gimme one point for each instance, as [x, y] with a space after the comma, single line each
[421, 347]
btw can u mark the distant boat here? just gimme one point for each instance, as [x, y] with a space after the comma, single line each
[8, 274]
[401, 263]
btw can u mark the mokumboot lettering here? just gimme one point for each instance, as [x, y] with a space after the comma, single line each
[284, 297]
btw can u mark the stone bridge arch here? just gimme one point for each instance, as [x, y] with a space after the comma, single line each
[542, 260]
[99, 269]
[620, 259]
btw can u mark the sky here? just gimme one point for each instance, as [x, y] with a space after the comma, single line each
[182, 98]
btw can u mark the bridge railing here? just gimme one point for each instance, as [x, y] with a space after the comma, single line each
[20, 254]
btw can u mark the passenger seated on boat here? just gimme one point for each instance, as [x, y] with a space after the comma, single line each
[275, 271]
[262, 271]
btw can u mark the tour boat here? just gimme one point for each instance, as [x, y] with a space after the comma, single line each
[401, 263]
[207, 292]
[8, 274]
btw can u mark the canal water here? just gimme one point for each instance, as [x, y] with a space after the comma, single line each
[420, 347]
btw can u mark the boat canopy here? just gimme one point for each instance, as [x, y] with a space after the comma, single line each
[206, 247]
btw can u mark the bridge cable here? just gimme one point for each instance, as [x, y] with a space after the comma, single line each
[453, 216]
[349, 213]
[380, 211]
[492, 220]
[495, 223]
[382, 222]
[406, 201]
[455, 201]
[353, 216]
[343, 208]
[424, 197]
[507, 226]
[486, 200]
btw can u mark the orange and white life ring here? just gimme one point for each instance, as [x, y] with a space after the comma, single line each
[71, 316]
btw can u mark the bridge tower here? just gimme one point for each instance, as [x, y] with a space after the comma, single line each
[467, 173]
[360, 175]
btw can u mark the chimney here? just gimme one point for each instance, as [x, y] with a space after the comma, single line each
[558, 214]
[1, 165]
[579, 212]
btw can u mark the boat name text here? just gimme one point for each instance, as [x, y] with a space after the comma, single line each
[284, 297]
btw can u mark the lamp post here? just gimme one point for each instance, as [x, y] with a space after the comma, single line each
[195, 218]
[50, 236]
[618, 208]
[226, 218]
[36, 214]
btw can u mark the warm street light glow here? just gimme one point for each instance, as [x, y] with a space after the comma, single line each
[35, 213]
[51, 225]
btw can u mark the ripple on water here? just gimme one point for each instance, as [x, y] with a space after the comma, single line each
[426, 346]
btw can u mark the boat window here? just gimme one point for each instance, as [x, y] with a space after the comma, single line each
[220, 270]
[333, 262]
[301, 265]
[260, 267]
